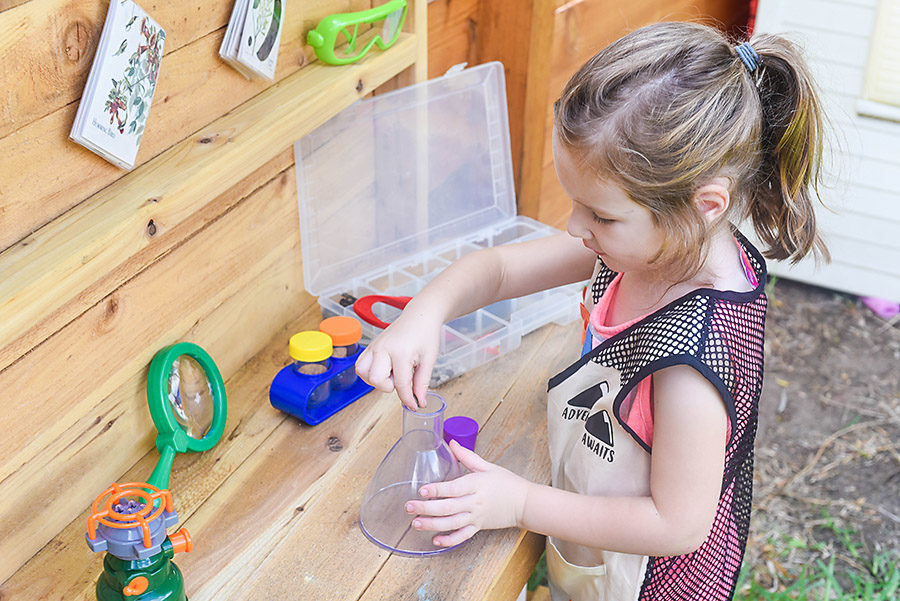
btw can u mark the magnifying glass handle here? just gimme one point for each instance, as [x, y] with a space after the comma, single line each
[160, 476]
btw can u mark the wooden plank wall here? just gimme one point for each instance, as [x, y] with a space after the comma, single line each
[541, 43]
[100, 268]
[519, 35]
[574, 43]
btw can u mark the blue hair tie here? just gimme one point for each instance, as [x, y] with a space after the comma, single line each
[748, 56]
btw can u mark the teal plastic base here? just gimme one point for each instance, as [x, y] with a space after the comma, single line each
[293, 393]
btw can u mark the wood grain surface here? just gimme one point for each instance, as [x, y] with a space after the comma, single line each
[63, 268]
[99, 268]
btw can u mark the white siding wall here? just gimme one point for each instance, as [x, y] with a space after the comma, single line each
[863, 231]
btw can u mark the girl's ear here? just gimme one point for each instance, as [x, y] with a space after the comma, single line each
[712, 199]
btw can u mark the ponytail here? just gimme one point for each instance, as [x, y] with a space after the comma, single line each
[670, 106]
[789, 177]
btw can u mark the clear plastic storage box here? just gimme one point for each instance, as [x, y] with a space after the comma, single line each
[396, 187]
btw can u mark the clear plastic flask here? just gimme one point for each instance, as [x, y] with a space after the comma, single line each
[420, 457]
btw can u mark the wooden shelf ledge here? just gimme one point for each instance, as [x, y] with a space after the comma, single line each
[107, 238]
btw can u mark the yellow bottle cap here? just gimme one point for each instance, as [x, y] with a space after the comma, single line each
[310, 347]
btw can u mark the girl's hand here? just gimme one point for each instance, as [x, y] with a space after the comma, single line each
[490, 497]
[401, 358]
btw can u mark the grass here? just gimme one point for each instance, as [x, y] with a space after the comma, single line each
[539, 576]
[880, 582]
[843, 569]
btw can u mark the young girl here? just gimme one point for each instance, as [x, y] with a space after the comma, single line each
[662, 141]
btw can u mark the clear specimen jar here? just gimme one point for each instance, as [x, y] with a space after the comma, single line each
[311, 352]
[345, 333]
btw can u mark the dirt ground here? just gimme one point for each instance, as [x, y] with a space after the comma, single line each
[829, 438]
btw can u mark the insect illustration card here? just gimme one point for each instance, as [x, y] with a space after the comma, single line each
[112, 114]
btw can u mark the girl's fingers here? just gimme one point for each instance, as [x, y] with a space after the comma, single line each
[380, 372]
[438, 507]
[444, 523]
[403, 375]
[452, 488]
[470, 459]
[363, 364]
[455, 538]
[421, 379]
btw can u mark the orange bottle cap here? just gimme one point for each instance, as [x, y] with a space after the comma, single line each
[344, 330]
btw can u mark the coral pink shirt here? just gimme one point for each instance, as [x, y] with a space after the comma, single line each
[638, 405]
[637, 408]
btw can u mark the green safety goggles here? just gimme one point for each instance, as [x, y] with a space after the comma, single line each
[325, 38]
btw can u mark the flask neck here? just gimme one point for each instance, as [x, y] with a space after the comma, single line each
[429, 418]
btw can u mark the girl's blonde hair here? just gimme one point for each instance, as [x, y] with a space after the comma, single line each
[670, 106]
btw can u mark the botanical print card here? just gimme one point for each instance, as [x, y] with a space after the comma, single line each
[232, 39]
[253, 35]
[261, 36]
[116, 101]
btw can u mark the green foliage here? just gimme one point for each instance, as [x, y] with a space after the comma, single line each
[770, 287]
[868, 577]
[879, 582]
[539, 576]
[863, 576]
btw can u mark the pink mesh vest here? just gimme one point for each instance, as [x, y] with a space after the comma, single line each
[720, 334]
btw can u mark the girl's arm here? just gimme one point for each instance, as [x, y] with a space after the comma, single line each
[403, 356]
[687, 462]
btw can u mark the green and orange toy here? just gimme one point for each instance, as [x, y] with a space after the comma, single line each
[130, 521]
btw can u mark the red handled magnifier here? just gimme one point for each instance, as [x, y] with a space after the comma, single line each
[363, 307]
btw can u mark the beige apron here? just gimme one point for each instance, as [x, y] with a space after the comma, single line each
[591, 454]
[720, 333]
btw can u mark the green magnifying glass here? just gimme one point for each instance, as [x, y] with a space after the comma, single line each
[186, 396]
